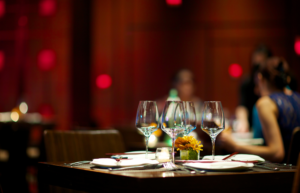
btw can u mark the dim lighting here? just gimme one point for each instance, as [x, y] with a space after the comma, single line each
[47, 7]
[14, 116]
[2, 8]
[103, 81]
[22, 21]
[1, 59]
[46, 59]
[235, 70]
[297, 46]
[174, 2]
[23, 107]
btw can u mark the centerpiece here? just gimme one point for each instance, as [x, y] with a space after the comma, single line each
[189, 147]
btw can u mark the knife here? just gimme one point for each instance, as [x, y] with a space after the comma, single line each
[145, 167]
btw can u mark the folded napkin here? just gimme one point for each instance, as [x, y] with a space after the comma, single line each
[108, 162]
[237, 157]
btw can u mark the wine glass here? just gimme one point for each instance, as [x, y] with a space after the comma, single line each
[173, 120]
[213, 121]
[190, 117]
[147, 119]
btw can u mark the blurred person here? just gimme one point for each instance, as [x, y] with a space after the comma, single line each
[248, 92]
[279, 113]
[183, 82]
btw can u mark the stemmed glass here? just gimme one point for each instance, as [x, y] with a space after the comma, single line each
[147, 119]
[213, 121]
[190, 117]
[173, 120]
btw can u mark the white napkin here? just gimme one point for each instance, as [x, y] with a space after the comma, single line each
[141, 156]
[237, 157]
[220, 165]
[108, 162]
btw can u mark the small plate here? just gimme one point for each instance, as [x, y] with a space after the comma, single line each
[107, 162]
[221, 166]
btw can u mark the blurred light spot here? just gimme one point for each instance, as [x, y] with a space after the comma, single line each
[1, 59]
[23, 20]
[103, 81]
[297, 46]
[235, 70]
[46, 59]
[23, 107]
[14, 116]
[174, 2]
[47, 7]
[2, 8]
[152, 141]
[5, 117]
[46, 111]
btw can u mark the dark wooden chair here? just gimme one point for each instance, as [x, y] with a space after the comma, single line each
[296, 188]
[69, 146]
[294, 148]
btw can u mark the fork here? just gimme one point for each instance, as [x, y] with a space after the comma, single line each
[171, 166]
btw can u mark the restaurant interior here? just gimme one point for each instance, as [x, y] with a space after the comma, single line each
[84, 65]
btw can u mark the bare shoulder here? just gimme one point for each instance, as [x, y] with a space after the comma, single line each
[265, 103]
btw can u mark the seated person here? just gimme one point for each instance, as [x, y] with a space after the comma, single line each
[278, 113]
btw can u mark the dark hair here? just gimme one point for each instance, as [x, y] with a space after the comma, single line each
[177, 77]
[276, 72]
[261, 48]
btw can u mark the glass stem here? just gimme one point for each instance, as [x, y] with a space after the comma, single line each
[173, 153]
[213, 141]
[147, 141]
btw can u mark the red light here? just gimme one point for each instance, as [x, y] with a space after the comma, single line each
[297, 46]
[1, 60]
[46, 59]
[235, 70]
[46, 111]
[2, 8]
[23, 21]
[103, 81]
[47, 7]
[174, 2]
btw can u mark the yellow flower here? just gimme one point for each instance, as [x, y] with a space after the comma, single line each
[188, 142]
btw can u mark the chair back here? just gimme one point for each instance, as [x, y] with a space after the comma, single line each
[296, 188]
[294, 148]
[69, 146]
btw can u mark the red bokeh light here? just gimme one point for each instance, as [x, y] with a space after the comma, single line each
[297, 46]
[46, 59]
[1, 59]
[46, 111]
[47, 7]
[103, 81]
[174, 2]
[235, 70]
[2, 8]
[23, 21]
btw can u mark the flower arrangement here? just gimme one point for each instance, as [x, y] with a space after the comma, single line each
[189, 147]
[188, 143]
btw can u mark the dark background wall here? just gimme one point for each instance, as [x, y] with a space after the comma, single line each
[140, 44]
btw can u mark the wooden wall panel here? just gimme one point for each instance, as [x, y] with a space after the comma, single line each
[142, 43]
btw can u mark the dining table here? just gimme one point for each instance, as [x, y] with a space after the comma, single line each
[89, 179]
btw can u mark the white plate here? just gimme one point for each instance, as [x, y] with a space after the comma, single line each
[221, 166]
[107, 162]
[237, 157]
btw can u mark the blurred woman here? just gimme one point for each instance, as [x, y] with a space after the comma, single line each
[279, 113]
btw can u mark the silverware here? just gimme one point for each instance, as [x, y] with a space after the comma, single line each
[145, 167]
[266, 167]
[77, 163]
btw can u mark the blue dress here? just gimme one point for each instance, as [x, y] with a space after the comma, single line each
[288, 117]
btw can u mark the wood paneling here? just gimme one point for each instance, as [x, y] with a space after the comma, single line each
[142, 43]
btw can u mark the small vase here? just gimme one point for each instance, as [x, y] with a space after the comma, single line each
[189, 154]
